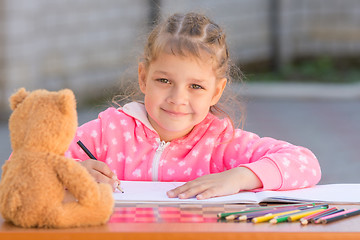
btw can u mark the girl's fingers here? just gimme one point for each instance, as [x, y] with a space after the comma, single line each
[103, 168]
[101, 178]
[208, 193]
[174, 192]
[187, 190]
[204, 187]
[101, 172]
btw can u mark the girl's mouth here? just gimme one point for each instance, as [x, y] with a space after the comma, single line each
[175, 113]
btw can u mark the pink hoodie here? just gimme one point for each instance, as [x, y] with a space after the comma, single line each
[125, 140]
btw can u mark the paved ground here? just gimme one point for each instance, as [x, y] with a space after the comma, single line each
[329, 128]
[328, 123]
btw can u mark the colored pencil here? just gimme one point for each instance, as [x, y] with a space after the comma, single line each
[235, 215]
[284, 218]
[281, 218]
[260, 213]
[341, 215]
[318, 219]
[324, 212]
[92, 157]
[244, 211]
[252, 215]
[298, 216]
[313, 220]
[271, 216]
[231, 215]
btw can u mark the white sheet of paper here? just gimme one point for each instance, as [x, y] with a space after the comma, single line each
[145, 192]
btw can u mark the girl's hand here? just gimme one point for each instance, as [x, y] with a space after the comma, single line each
[218, 184]
[101, 172]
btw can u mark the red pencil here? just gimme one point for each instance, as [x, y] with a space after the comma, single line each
[318, 219]
[325, 214]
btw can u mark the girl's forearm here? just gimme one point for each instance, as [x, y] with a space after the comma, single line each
[247, 178]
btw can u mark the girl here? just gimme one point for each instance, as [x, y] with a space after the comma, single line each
[175, 136]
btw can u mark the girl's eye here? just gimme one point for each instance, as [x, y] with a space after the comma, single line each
[163, 80]
[196, 86]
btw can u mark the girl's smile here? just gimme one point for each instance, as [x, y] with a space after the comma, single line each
[174, 113]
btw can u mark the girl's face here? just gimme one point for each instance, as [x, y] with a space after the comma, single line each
[178, 93]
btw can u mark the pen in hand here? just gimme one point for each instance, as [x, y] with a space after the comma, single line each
[92, 157]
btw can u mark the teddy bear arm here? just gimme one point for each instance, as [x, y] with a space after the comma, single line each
[92, 212]
[77, 179]
[94, 203]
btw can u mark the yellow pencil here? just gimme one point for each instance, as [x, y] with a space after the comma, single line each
[270, 216]
[300, 215]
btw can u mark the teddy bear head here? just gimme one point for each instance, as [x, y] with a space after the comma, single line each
[42, 120]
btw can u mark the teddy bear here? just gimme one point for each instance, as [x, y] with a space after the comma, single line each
[37, 176]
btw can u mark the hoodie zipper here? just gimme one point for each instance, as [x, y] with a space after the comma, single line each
[156, 159]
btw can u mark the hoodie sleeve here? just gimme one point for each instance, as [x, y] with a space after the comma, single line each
[278, 164]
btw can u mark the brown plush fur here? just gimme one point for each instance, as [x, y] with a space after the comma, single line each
[33, 182]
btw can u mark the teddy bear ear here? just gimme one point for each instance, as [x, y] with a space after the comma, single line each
[18, 98]
[66, 101]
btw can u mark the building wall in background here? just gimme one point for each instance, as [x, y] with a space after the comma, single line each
[87, 45]
[305, 27]
[3, 97]
[83, 45]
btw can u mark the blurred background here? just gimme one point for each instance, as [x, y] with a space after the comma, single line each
[300, 58]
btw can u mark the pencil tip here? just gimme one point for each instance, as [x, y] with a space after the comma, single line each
[273, 221]
[120, 189]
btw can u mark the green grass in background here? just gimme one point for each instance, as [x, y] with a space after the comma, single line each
[320, 70]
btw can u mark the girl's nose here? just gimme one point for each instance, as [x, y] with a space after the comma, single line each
[178, 96]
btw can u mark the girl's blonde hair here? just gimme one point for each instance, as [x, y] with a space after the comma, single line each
[189, 35]
[194, 35]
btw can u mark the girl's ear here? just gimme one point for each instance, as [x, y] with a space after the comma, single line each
[142, 77]
[220, 86]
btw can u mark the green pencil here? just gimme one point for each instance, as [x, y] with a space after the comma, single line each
[246, 210]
